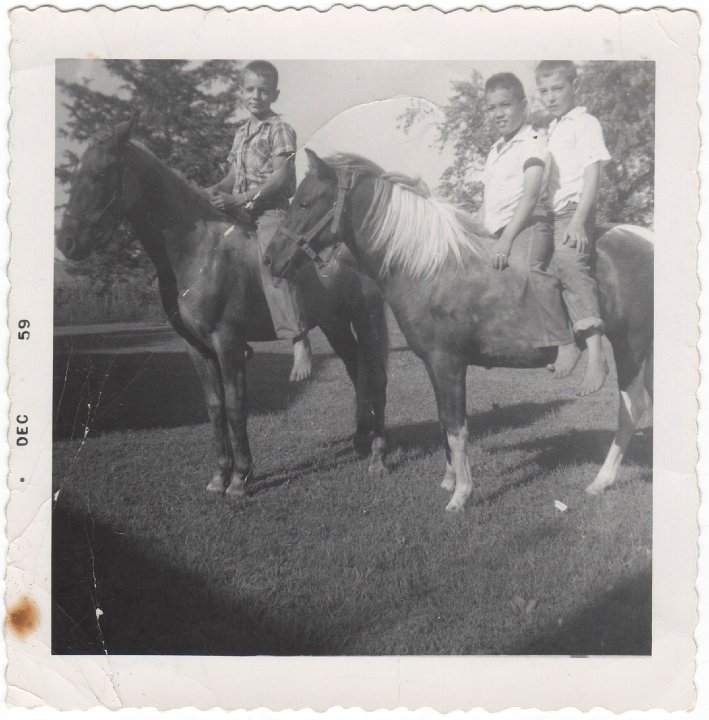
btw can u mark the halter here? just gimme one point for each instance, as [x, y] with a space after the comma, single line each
[334, 214]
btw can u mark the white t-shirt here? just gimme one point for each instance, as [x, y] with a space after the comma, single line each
[503, 175]
[575, 142]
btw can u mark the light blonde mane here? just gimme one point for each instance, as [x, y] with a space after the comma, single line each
[415, 233]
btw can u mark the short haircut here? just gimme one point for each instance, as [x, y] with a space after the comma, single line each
[549, 67]
[263, 69]
[505, 81]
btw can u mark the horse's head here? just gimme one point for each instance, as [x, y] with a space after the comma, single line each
[95, 206]
[312, 227]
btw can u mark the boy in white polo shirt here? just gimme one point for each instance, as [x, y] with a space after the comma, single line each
[513, 211]
[578, 152]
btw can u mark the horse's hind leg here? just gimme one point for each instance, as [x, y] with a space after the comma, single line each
[649, 374]
[631, 405]
[207, 368]
[347, 348]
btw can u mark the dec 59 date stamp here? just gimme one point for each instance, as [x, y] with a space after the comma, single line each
[338, 344]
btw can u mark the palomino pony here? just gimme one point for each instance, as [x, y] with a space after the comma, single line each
[434, 270]
[208, 275]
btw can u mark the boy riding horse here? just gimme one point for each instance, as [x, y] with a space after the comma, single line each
[257, 188]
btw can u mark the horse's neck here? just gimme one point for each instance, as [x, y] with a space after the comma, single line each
[154, 191]
[359, 233]
[165, 213]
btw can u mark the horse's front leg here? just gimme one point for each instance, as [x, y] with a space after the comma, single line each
[207, 367]
[370, 324]
[447, 375]
[231, 351]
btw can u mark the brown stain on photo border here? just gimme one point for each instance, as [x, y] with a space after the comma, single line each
[23, 617]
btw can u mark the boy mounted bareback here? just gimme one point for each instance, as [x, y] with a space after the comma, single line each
[257, 188]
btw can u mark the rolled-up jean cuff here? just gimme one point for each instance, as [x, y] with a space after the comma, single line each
[591, 323]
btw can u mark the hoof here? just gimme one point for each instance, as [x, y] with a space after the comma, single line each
[455, 507]
[377, 468]
[216, 485]
[598, 486]
[236, 490]
[448, 483]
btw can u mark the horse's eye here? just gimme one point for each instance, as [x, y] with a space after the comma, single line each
[304, 205]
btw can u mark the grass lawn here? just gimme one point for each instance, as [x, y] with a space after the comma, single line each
[321, 559]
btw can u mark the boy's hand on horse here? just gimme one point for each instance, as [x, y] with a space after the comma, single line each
[575, 236]
[501, 253]
[227, 202]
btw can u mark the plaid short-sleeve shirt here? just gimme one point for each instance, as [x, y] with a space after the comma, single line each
[252, 152]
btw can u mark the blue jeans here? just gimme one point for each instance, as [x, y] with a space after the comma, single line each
[283, 296]
[543, 293]
[574, 270]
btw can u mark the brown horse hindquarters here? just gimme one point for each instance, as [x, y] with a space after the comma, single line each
[625, 277]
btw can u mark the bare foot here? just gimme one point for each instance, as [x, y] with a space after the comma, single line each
[594, 378]
[302, 360]
[567, 357]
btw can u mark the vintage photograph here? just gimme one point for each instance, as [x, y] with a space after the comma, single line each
[353, 360]
[353, 357]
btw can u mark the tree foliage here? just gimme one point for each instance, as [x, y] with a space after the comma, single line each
[620, 94]
[186, 119]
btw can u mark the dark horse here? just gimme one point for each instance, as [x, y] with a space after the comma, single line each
[208, 274]
[433, 267]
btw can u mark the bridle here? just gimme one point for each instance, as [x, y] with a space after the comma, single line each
[116, 197]
[333, 216]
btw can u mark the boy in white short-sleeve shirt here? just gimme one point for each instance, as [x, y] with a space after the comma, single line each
[577, 152]
[514, 212]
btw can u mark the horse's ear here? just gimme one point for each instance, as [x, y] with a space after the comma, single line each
[124, 130]
[318, 166]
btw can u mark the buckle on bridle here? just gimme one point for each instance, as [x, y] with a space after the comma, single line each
[344, 182]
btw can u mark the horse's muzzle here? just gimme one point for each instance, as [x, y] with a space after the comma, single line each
[71, 248]
[281, 268]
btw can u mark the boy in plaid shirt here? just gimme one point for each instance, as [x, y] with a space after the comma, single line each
[259, 184]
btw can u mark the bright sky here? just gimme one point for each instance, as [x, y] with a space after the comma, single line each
[350, 106]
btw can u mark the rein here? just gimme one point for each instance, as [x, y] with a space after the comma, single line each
[332, 216]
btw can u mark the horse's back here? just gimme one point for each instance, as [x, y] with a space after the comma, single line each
[625, 272]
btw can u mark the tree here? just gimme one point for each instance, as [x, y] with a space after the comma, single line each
[186, 112]
[620, 94]
[465, 129]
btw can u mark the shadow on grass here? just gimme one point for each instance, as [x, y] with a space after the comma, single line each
[135, 391]
[425, 437]
[149, 606]
[584, 446]
[571, 448]
[337, 458]
[617, 623]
